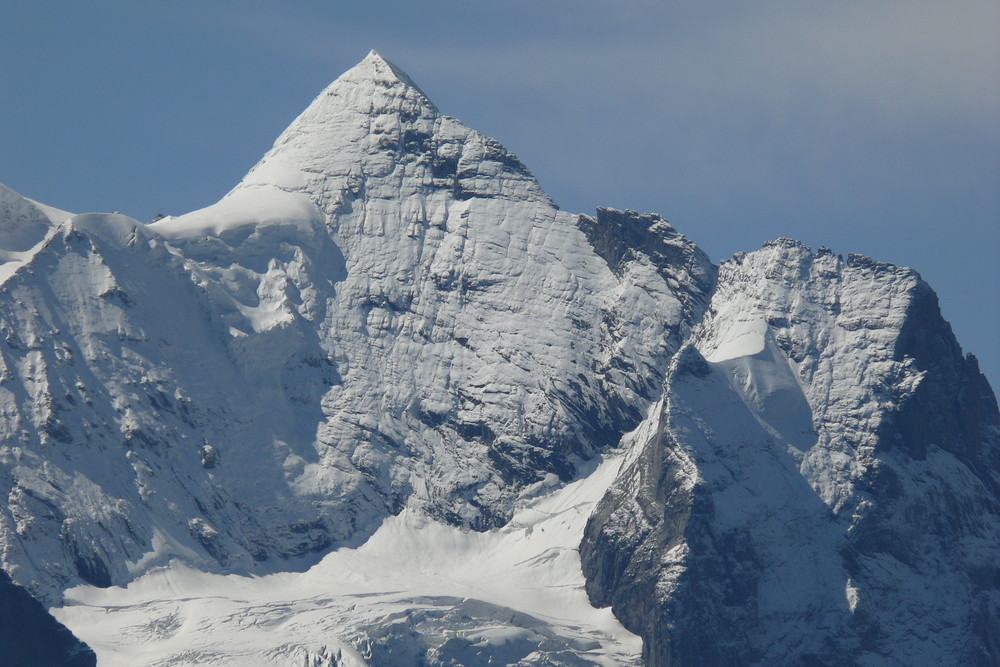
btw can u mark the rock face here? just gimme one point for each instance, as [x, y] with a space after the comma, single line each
[818, 484]
[30, 637]
[389, 314]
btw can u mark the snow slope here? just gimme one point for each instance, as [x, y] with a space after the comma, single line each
[513, 595]
[24, 224]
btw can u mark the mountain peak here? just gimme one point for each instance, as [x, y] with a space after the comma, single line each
[344, 126]
[380, 66]
[376, 68]
[372, 122]
[389, 336]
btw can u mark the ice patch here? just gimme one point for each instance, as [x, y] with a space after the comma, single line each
[262, 209]
[768, 383]
[743, 339]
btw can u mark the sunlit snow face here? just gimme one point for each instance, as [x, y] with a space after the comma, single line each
[503, 595]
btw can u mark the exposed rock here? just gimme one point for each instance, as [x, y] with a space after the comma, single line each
[819, 485]
[387, 312]
[30, 637]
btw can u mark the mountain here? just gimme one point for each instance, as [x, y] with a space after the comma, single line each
[818, 484]
[388, 378]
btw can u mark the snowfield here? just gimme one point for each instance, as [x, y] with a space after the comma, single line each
[506, 596]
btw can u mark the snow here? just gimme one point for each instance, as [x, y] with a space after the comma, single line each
[25, 225]
[742, 339]
[264, 210]
[768, 382]
[174, 613]
[165, 548]
[386, 334]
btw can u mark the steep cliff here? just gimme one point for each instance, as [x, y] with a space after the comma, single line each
[819, 485]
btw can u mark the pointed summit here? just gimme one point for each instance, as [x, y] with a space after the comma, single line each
[369, 138]
[347, 126]
[373, 129]
[372, 80]
[376, 67]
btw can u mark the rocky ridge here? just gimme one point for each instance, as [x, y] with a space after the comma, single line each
[819, 482]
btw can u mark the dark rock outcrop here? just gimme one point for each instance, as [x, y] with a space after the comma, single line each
[30, 637]
[819, 485]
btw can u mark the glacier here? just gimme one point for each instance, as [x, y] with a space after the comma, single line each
[385, 403]
[417, 590]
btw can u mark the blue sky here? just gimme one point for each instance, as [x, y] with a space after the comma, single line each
[866, 127]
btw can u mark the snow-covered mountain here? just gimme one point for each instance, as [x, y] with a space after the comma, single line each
[820, 480]
[388, 373]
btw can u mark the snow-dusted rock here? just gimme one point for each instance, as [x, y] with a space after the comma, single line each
[819, 485]
[387, 312]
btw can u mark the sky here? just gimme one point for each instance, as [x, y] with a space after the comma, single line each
[870, 128]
